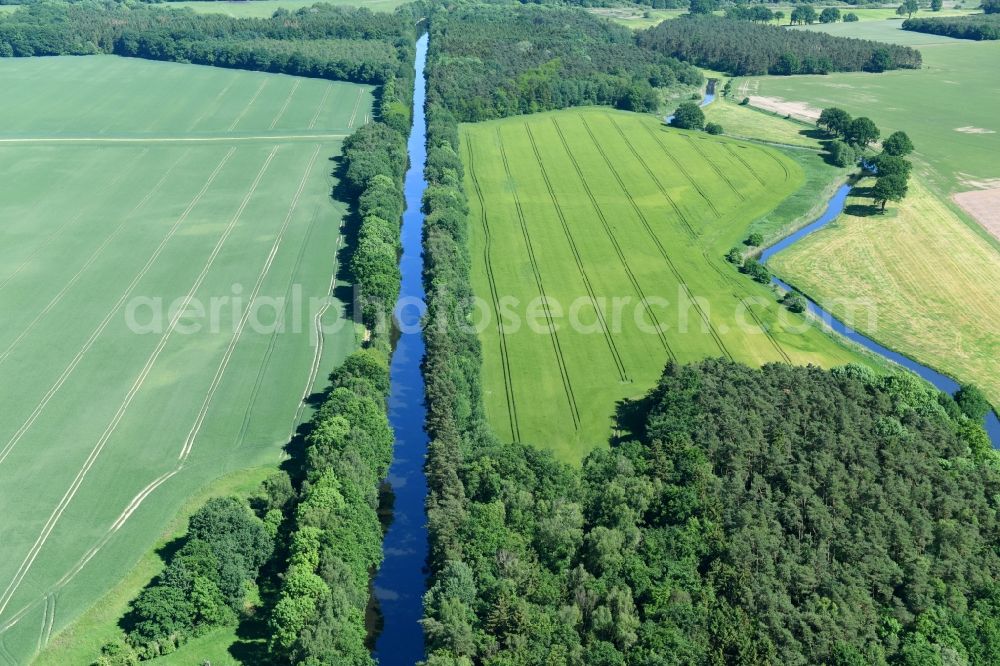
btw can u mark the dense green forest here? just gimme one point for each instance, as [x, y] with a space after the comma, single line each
[322, 41]
[743, 48]
[976, 26]
[509, 59]
[782, 515]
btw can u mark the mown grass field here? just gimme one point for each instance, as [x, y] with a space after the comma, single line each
[933, 284]
[264, 8]
[586, 206]
[948, 107]
[126, 184]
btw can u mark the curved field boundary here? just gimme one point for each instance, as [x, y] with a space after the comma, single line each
[753, 172]
[680, 167]
[554, 335]
[652, 176]
[784, 168]
[508, 380]
[616, 356]
[614, 240]
[715, 167]
[659, 246]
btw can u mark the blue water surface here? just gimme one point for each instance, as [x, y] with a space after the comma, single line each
[399, 585]
[940, 381]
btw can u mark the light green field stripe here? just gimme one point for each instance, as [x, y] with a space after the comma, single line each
[171, 139]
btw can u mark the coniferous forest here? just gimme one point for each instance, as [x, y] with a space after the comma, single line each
[743, 48]
[509, 59]
[976, 26]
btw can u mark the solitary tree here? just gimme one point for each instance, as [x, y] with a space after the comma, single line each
[713, 128]
[756, 239]
[829, 15]
[779, 16]
[990, 6]
[688, 116]
[909, 8]
[850, 17]
[936, 5]
[835, 121]
[862, 131]
[889, 188]
[898, 143]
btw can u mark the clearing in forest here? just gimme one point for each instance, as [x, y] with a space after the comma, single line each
[120, 396]
[598, 212]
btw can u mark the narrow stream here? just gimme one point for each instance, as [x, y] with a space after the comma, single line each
[942, 382]
[399, 584]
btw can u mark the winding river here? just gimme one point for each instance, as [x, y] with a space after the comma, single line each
[943, 382]
[399, 584]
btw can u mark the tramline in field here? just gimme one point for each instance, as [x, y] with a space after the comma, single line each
[597, 213]
[142, 227]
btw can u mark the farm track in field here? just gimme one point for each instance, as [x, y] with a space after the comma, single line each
[616, 356]
[12, 442]
[683, 171]
[656, 241]
[508, 379]
[140, 379]
[652, 176]
[614, 240]
[554, 335]
[715, 167]
[751, 170]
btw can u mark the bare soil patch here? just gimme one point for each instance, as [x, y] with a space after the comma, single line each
[984, 205]
[800, 110]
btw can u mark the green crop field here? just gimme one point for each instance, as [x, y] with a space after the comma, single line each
[931, 283]
[132, 195]
[263, 8]
[587, 208]
[948, 107]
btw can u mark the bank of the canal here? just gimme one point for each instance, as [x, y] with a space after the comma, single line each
[941, 381]
[399, 584]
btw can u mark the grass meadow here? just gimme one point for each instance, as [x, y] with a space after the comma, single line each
[948, 107]
[639, 17]
[133, 193]
[265, 8]
[584, 206]
[932, 282]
